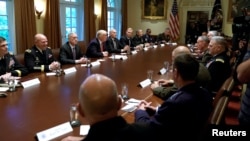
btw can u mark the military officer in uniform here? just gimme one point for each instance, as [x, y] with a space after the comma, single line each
[219, 65]
[40, 57]
[9, 66]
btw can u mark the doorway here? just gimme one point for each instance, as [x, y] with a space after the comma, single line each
[195, 25]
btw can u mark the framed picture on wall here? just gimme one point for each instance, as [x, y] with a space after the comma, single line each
[154, 9]
[235, 8]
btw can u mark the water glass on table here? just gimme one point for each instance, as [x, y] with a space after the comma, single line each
[124, 92]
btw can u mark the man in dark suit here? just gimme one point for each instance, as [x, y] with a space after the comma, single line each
[185, 113]
[126, 40]
[97, 46]
[40, 57]
[148, 37]
[99, 103]
[9, 66]
[70, 52]
[113, 45]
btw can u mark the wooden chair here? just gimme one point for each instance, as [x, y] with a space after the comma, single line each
[56, 52]
[20, 58]
[225, 90]
[82, 46]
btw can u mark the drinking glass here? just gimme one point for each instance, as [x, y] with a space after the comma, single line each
[166, 65]
[124, 92]
[11, 84]
[74, 121]
[150, 74]
[113, 57]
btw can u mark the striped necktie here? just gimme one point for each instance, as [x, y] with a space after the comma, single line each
[74, 53]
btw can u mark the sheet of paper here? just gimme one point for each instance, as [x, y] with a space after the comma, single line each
[133, 101]
[121, 57]
[84, 129]
[129, 108]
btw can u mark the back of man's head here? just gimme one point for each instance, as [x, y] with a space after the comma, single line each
[180, 50]
[98, 98]
[187, 66]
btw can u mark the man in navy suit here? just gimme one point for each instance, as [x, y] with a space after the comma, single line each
[97, 46]
[126, 40]
[113, 45]
[70, 52]
[185, 113]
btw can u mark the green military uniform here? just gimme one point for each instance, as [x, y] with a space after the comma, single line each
[203, 79]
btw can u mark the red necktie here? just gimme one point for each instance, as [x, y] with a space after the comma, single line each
[101, 47]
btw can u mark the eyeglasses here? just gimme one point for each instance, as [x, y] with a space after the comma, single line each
[3, 45]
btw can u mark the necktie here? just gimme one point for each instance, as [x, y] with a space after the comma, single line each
[114, 44]
[101, 47]
[74, 53]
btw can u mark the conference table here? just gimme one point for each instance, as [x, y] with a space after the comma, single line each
[30, 110]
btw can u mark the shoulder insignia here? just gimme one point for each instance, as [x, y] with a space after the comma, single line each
[11, 53]
[49, 47]
[219, 60]
[28, 50]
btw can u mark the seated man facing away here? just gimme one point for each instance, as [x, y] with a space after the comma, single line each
[97, 47]
[9, 66]
[113, 45]
[99, 103]
[70, 52]
[185, 113]
[167, 88]
[40, 57]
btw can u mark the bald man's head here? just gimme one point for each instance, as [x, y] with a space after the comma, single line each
[180, 50]
[98, 97]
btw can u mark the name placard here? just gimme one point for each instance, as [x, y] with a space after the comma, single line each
[96, 63]
[70, 70]
[50, 74]
[155, 46]
[163, 71]
[145, 83]
[54, 132]
[30, 82]
[162, 45]
[145, 48]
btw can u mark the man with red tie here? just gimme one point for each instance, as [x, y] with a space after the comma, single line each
[97, 47]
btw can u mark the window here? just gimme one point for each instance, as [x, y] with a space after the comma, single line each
[71, 12]
[6, 21]
[114, 16]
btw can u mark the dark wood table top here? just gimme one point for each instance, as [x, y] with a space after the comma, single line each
[30, 110]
